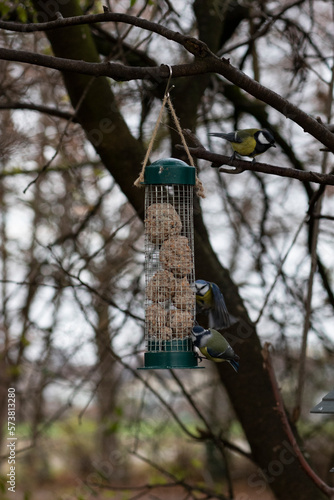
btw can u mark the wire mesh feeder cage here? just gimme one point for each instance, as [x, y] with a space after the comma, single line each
[170, 303]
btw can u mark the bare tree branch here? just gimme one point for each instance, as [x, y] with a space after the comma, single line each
[118, 72]
[239, 166]
[191, 44]
[40, 109]
[205, 62]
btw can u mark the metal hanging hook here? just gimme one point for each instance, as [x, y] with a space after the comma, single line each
[168, 89]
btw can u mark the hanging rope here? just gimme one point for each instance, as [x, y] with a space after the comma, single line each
[198, 186]
[140, 179]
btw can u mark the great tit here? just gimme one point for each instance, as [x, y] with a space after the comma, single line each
[210, 299]
[249, 142]
[214, 346]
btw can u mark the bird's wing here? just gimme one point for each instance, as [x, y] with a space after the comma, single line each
[227, 355]
[215, 354]
[231, 136]
[221, 355]
[220, 314]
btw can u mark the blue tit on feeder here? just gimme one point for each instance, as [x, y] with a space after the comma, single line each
[214, 346]
[209, 298]
[249, 142]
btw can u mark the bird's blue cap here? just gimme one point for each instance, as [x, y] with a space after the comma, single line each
[170, 171]
[198, 329]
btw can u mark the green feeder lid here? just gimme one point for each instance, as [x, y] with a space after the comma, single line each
[170, 171]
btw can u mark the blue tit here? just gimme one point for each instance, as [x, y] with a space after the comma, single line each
[214, 346]
[209, 298]
[249, 142]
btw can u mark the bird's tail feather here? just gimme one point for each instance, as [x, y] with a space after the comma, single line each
[234, 364]
[217, 134]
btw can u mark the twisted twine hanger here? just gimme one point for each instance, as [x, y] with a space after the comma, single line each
[138, 183]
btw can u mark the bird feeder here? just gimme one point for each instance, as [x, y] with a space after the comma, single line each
[326, 405]
[170, 303]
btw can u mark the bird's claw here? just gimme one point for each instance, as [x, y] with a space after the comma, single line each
[199, 357]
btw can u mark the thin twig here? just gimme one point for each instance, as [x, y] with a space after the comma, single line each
[323, 216]
[178, 482]
[59, 168]
[63, 134]
[217, 442]
[262, 31]
[210, 434]
[138, 376]
[279, 270]
[92, 289]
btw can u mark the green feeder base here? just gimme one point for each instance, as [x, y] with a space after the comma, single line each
[170, 359]
[165, 354]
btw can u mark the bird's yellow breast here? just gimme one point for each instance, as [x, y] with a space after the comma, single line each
[205, 300]
[246, 148]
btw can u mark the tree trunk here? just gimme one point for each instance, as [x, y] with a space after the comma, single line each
[108, 384]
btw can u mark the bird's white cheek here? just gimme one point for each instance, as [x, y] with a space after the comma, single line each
[262, 139]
